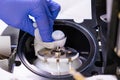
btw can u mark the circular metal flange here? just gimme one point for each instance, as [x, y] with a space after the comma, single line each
[78, 37]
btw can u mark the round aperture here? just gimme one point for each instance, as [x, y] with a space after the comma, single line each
[79, 40]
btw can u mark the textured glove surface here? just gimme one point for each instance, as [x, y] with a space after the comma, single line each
[16, 13]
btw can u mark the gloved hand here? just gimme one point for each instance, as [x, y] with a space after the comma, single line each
[16, 13]
[39, 44]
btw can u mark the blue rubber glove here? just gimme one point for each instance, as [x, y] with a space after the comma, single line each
[16, 13]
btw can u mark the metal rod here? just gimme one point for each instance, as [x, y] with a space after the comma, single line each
[58, 66]
[70, 63]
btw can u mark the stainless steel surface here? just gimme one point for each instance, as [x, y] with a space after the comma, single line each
[109, 8]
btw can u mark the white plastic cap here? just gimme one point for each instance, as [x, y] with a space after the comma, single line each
[58, 35]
